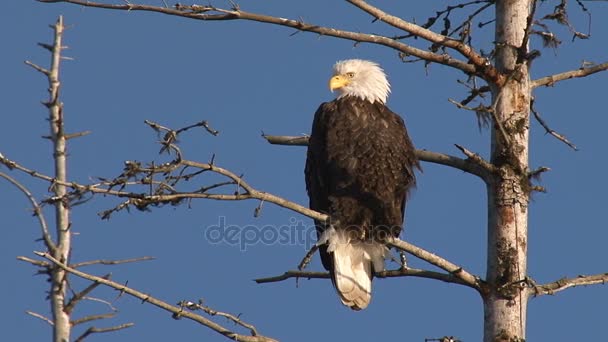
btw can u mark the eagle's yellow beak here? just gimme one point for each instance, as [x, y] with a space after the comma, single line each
[338, 81]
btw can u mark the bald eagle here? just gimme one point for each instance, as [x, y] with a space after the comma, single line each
[359, 167]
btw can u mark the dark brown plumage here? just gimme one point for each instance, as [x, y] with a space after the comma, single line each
[359, 169]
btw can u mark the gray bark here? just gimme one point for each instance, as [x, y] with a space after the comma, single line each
[505, 302]
[61, 319]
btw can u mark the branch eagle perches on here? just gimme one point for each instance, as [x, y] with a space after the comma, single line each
[163, 191]
[162, 181]
[474, 164]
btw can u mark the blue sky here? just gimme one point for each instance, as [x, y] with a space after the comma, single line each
[245, 78]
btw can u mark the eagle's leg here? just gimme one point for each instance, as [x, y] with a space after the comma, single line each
[403, 259]
[306, 260]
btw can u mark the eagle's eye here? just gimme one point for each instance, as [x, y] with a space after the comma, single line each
[350, 74]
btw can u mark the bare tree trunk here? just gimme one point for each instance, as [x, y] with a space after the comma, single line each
[508, 191]
[61, 318]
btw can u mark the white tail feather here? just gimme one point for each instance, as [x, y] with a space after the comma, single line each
[353, 260]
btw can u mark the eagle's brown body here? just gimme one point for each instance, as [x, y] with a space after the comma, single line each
[359, 169]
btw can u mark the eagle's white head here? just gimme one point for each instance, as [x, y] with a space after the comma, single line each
[360, 78]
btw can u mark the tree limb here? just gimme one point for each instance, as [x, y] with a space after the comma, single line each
[176, 310]
[565, 283]
[397, 273]
[581, 72]
[455, 270]
[111, 262]
[143, 199]
[293, 274]
[46, 235]
[77, 297]
[482, 64]
[209, 311]
[211, 13]
[255, 194]
[93, 330]
[548, 129]
[90, 318]
[37, 315]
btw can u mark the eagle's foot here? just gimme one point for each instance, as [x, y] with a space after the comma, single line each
[306, 260]
[403, 259]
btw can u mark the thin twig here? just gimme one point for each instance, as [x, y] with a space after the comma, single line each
[480, 108]
[293, 274]
[93, 330]
[103, 301]
[455, 270]
[550, 131]
[111, 262]
[566, 283]
[548, 81]
[46, 235]
[77, 297]
[37, 315]
[235, 319]
[90, 318]
[40, 263]
[477, 159]
[38, 68]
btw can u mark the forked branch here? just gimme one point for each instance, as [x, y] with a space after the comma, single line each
[141, 201]
[453, 269]
[177, 311]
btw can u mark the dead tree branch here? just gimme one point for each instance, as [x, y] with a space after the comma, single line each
[77, 297]
[62, 247]
[566, 283]
[93, 330]
[482, 65]
[142, 200]
[397, 273]
[39, 316]
[293, 274]
[209, 311]
[111, 262]
[549, 81]
[467, 278]
[46, 235]
[90, 318]
[211, 13]
[550, 131]
[177, 311]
